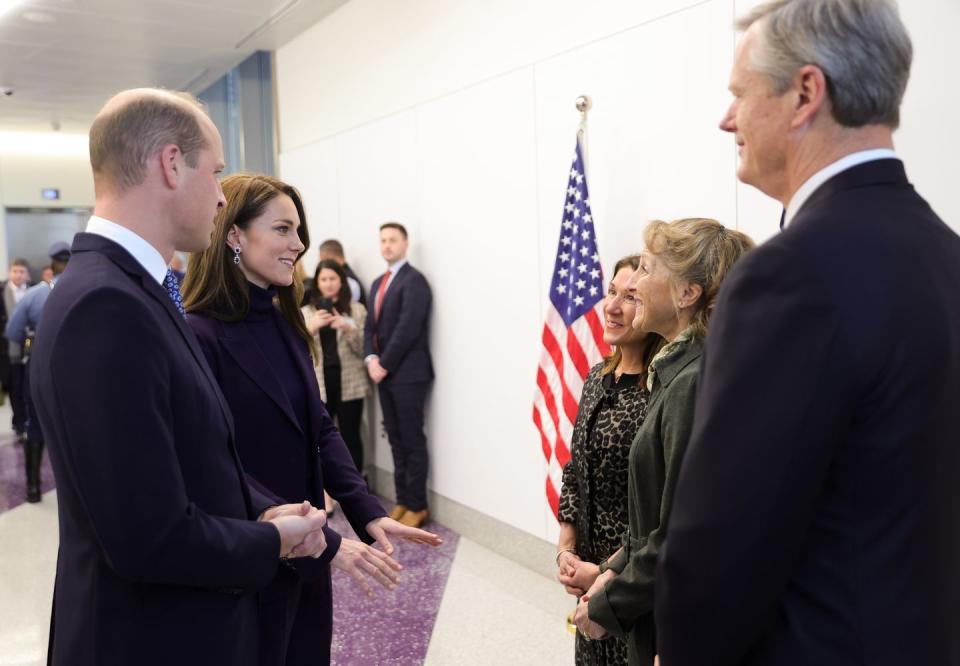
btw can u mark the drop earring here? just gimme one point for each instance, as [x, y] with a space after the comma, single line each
[236, 255]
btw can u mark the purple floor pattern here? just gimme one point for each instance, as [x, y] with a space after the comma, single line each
[13, 479]
[388, 629]
[391, 628]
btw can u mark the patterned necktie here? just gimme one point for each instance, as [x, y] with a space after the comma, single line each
[173, 290]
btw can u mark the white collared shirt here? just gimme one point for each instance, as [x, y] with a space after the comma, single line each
[18, 292]
[393, 268]
[146, 255]
[819, 178]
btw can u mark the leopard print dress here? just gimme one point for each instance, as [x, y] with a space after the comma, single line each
[594, 494]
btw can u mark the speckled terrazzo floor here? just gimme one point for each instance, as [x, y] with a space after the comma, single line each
[459, 604]
[391, 628]
[13, 481]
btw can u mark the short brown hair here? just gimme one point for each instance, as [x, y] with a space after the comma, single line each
[331, 246]
[701, 251]
[122, 140]
[214, 284]
[394, 225]
[20, 261]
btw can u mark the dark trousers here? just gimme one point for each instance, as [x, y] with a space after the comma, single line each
[34, 433]
[312, 631]
[15, 391]
[347, 414]
[402, 407]
[33, 447]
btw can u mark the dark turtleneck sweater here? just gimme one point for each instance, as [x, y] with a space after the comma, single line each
[264, 322]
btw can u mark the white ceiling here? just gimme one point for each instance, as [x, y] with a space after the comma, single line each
[63, 70]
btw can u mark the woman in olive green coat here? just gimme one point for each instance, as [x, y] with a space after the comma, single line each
[676, 287]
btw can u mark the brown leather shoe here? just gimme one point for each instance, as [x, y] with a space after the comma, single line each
[415, 518]
[397, 512]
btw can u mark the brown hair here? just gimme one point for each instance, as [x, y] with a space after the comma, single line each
[331, 246]
[214, 284]
[654, 341]
[58, 266]
[701, 251]
[394, 225]
[21, 262]
[343, 298]
[124, 139]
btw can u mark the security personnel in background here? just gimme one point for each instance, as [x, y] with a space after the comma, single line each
[21, 329]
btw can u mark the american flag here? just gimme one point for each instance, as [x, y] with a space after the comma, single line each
[572, 330]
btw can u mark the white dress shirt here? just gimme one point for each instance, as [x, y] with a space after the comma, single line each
[146, 255]
[826, 173]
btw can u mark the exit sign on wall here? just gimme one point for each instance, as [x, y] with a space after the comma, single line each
[50, 193]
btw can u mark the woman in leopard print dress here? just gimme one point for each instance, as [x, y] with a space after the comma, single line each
[593, 502]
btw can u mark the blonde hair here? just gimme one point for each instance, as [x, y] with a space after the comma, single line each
[700, 251]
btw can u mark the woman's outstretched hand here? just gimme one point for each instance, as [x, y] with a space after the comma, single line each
[383, 528]
[365, 563]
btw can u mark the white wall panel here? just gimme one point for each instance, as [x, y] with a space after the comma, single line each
[654, 150]
[477, 166]
[377, 182]
[371, 58]
[312, 169]
[929, 135]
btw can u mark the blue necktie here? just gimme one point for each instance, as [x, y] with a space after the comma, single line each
[173, 290]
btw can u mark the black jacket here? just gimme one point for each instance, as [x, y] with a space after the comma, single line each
[816, 516]
[159, 556]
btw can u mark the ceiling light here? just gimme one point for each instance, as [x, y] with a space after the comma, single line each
[39, 17]
[7, 5]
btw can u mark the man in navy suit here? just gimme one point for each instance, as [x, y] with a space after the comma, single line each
[397, 349]
[161, 552]
[817, 516]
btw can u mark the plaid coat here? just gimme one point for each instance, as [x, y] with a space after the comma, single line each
[353, 373]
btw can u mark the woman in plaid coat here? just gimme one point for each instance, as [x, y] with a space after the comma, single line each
[337, 325]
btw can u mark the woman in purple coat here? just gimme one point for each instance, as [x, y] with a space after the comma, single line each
[242, 303]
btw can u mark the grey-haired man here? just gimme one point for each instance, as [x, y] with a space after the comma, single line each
[816, 518]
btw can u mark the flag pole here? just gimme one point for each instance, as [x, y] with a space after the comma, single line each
[584, 104]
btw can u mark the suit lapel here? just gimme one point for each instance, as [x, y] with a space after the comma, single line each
[391, 287]
[240, 344]
[125, 261]
[305, 369]
[131, 266]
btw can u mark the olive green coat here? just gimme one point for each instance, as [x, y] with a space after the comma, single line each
[625, 607]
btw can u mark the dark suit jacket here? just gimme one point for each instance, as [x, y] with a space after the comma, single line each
[363, 294]
[280, 458]
[402, 330]
[4, 356]
[816, 516]
[159, 558]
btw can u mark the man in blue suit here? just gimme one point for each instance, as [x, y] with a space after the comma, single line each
[161, 550]
[817, 516]
[397, 348]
